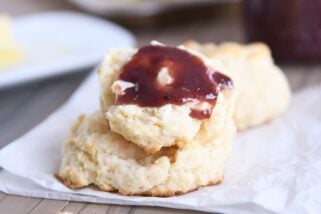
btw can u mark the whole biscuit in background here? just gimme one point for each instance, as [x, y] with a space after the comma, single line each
[262, 88]
[155, 127]
[93, 154]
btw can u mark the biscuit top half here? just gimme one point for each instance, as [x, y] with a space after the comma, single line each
[157, 75]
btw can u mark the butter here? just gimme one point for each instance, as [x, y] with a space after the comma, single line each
[10, 53]
[163, 77]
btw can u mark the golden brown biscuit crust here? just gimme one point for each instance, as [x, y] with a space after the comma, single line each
[152, 193]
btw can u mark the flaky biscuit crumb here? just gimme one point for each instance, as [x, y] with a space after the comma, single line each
[94, 155]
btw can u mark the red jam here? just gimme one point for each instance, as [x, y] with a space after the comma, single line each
[192, 79]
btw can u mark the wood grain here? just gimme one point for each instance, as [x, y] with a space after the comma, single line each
[94, 209]
[114, 209]
[21, 108]
[49, 206]
[147, 210]
[2, 195]
[18, 204]
[74, 207]
[25, 106]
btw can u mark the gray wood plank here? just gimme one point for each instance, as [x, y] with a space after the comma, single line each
[74, 207]
[18, 204]
[115, 209]
[158, 210]
[49, 206]
[2, 195]
[24, 107]
[94, 209]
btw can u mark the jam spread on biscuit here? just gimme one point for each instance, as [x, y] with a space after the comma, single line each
[191, 80]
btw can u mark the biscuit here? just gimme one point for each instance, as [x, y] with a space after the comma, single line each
[262, 88]
[94, 155]
[153, 128]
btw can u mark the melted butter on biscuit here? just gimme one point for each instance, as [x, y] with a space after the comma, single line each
[119, 86]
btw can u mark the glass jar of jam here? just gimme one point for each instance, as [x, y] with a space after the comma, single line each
[292, 28]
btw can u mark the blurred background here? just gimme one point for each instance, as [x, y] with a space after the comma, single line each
[292, 28]
[149, 19]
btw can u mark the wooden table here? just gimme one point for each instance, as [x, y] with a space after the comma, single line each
[21, 108]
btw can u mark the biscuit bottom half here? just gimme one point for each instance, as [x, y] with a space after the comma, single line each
[94, 155]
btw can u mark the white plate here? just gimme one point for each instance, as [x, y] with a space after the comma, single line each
[61, 42]
[140, 8]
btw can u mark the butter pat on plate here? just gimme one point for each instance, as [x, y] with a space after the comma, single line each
[10, 52]
[56, 43]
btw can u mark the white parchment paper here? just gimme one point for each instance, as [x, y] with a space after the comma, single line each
[274, 168]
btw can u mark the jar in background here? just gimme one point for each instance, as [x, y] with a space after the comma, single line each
[292, 28]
